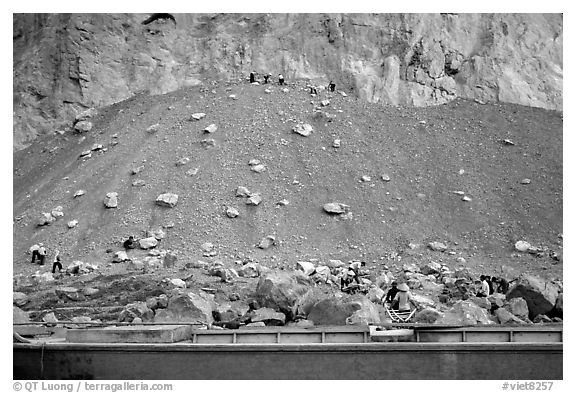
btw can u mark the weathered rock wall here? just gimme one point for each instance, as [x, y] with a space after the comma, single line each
[66, 62]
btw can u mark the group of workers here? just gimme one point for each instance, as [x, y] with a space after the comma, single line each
[331, 85]
[489, 285]
[39, 252]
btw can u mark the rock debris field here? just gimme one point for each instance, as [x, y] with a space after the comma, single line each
[248, 201]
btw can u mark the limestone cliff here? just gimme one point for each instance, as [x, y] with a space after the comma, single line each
[64, 63]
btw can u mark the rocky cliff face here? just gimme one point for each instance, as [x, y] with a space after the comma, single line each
[65, 63]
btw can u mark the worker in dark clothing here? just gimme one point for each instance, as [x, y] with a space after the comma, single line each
[252, 78]
[390, 294]
[41, 253]
[280, 79]
[34, 249]
[331, 86]
[56, 263]
[490, 286]
[130, 243]
[500, 284]
[266, 77]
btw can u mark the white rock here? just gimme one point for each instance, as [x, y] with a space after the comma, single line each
[72, 224]
[232, 212]
[111, 200]
[303, 129]
[336, 143]
[307, 267]
[178, 283]
[153, 128]
[211, 128]
[254, 200]
[259, 168]
[148, 242]
[167, 199]
[243, 192]
[79, 193]
[366, 178]
[525, 181]
[335, 208]
[198, 116]
[522, 246]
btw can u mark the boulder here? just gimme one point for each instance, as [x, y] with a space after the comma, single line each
[335, 208]
[57, 212]
[249, 270]
[111, 200]
[335, 264]
[522, 246]
[431, 268]
[19, 316]
[303, 129]
[148, 242]
[542, 319]
[232, 212]
[465, 312]
[427, 315]
[19, 299]
[437, 246]
[120, 256]
[153, 128]
[322, 274]
[83, 126]
[178, 283]
[72, 224]
[211, 128]
[46, 219]
[198, 116]
[85, 115]
[375, 294]
[497, 300]
[367, 314]
[258, 168]
[207, 247]
[42, 278]
[482, 302]
[332, 311]
[160, 301]
[136, 310]
[50, 317]
[243, 192]
[306, 267]
[266, 242]
[304, 304]
[506, 317]
[254, 200]
[189, 307]
[280, 290]
[167, 200]
[410, 268]
[68, 293]
[518, 307]
[90, 291]
[269, 317]
[540, 295]
[169, 260]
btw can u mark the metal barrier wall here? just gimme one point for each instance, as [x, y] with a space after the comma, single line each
[289, 361]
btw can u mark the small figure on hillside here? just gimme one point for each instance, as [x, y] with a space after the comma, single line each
[56, 263]
[266, 77]
[252, 78]
[313, 90]
[403, 299]
[346, 281]
[331, 86]
[500, 284]
[484, 289]
[40, 253]
[391, 294]
[34, 251]
[280, 79]
[355, 267]
[130, 243]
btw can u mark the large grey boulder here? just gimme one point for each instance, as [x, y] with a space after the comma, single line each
[68, 293]
[19, 299]
[188, 307]
[540, 295]
[367, 314]
[148, 242]
[505, 317]
[303, 129]
[19, 316]
[85, 115]
[249, 270]
[335, 208]
[332, 311]
[307, 268]
[136, 310]
[46, 219]
[427, 315]
[465, 312]
[83, 126]
[281, 290]
[168, 200]
[431, 268]
[518, 307]
[269, 316]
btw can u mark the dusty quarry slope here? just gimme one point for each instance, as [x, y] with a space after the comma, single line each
[428, 153]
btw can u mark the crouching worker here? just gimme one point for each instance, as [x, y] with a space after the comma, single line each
[130, 243]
